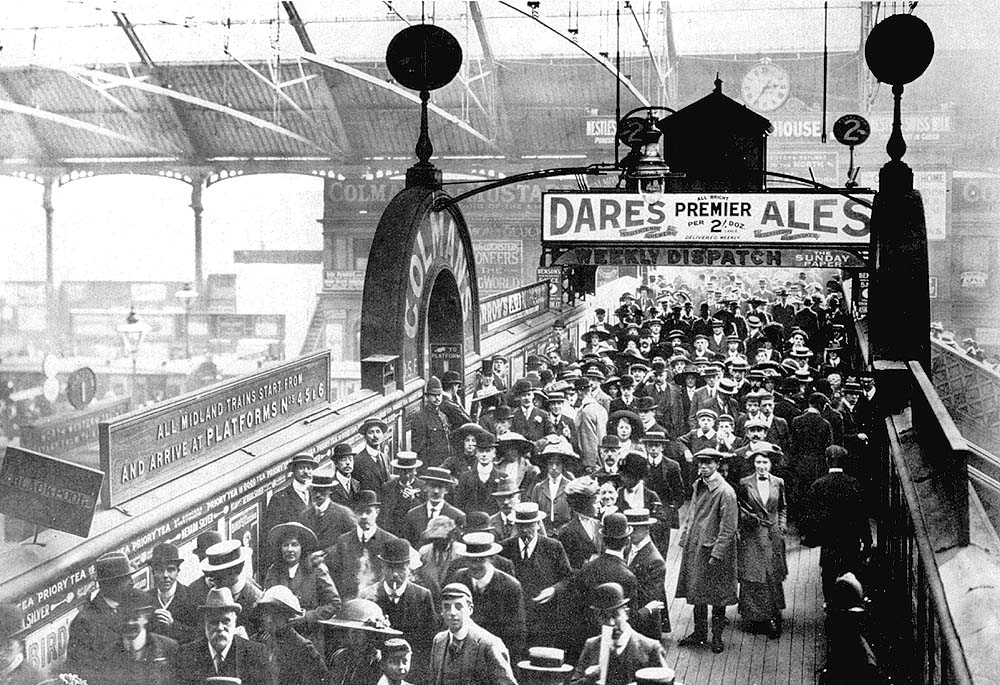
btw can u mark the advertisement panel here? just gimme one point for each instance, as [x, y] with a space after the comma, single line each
[654, 255]
[506, 309]
[68, 431]
[498, 264]
[709, 217]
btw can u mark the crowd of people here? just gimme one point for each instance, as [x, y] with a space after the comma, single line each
[523, 536]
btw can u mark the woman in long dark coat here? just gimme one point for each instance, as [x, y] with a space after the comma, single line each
[761, 547]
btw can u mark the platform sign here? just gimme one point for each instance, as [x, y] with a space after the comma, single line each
[145, 449]
[81, 387]
[49, 492]
[851, 129]
[772, 217]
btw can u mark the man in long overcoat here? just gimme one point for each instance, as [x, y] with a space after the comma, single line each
[708, 565]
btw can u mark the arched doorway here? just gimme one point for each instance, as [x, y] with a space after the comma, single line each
[444, 325]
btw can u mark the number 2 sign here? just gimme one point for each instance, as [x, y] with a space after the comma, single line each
[851, 129]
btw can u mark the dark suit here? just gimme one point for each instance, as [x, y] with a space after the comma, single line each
[639, 652]
[416, 520]
[91, 639]
[670, 410]
[429, 436]
[153, 667]
[499, 608]
[547, 566]
[834, 517]
[604, 568]
[345, 561]
[395, 504]
[650, 574]
[295, 658]
[246, 660]
[184, 610]
[779, 433]
[413, 613]
[483, 659]
[285, 506]
[328, 525]
[472, 494]
[370, 474]
[578, 544]
[340, 495]
[811, 435]
[534, 427]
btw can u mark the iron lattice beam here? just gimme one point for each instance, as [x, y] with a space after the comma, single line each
[495, 95]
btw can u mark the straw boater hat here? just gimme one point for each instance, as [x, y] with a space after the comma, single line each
[372, 421]
[293, 529]
[545, 660]
[436, 474]
[639, 517]
[224, 555]
[406, 460]
[528, 512]
[480, 545]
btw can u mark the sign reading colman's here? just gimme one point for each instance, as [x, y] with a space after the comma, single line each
[828, 218]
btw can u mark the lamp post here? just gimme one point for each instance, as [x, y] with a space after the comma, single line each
[186, 295]
[133, 331]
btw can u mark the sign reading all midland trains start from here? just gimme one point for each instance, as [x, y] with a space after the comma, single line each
[146, 449]
[774, 217]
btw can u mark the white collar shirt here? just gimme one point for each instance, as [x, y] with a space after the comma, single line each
[527, 549]
[481, 583]
[302, 490]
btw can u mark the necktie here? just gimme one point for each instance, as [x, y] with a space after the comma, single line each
[218, 664]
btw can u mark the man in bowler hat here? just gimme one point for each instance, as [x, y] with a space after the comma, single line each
[175, 607]
[323, 517]
[94, 630]
[354, 561]
[221, 652]
[345, 487]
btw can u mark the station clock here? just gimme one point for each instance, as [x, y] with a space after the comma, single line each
[765, 87]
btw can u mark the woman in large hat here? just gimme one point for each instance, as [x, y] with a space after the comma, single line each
[310, 583]
[359, 660]
[559, 462]
[463, 450]
[514, 453]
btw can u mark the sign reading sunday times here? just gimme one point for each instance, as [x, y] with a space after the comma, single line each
[773, 217]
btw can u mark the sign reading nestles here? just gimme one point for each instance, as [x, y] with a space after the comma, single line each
[812, 218]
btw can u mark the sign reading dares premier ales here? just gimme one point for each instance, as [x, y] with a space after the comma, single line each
[146, 449]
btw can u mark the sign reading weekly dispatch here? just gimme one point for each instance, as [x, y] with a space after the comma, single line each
[765, 217]
[145, 449]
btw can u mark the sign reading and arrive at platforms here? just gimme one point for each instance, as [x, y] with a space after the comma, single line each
[772, 217]
[49, 492]
[143, 450]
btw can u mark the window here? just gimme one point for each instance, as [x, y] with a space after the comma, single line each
[362, 246]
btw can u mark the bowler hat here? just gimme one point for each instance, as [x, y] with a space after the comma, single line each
[480, 545]
[395, 551]
[503, 413]
[209, 538]
[406, 460]
[220, 599]
[433, 386]
[341, 450]
[281, 598]
[365, 499]
[224, 555]
[608, 596]
[615, 525]
[303, 458]
[646, 403]
[165, 553]
[635, 464]
[293, 529]
[639, 517]
[451, 378]
[436, 474]
[372, 421]
[545, 660]
[477, 522]
[522, 386]
[527, 512]
[112, 565]
[610, 442]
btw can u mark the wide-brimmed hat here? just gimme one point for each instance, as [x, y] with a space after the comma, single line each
[406, 460]
[615, 526]
[438, 528]
[165, 553]
[513, 441]
[365, 499]
[639, 517]
[220, 599]
[480, 545]
[436, 474]
[502, 413]
[293, 529]
[303, 458]
[112, 565]
[554, 446]
[395, 551]
[583, 486]
[362, 614]
[281, 598]
[372, 421]
[608, 596]
[224, 555]
[689, 370]
[528, 512]
[545, 660]
[504, 487]
[450, 378]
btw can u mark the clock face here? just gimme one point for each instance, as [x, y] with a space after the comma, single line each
[765, 87]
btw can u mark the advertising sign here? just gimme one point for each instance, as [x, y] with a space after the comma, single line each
[48, 491]
[498, 264]
[711, 256]
[146, 449]
[62, 433]
[344, 280]
[552, 274]
[506, 309]
[710, 217]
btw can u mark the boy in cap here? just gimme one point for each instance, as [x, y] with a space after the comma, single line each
[708, 563]
[430, 428]
[222, 651]
[396, 657]
[702, 437]
[464, 652]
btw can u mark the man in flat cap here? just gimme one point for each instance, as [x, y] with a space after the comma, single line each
[708, 563]
[430, 429]
[222, 652]
[464, 652]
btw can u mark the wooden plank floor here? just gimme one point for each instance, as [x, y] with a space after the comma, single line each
[749, 659]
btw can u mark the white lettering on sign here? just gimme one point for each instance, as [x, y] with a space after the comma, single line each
[437, 239]
[743, 217]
